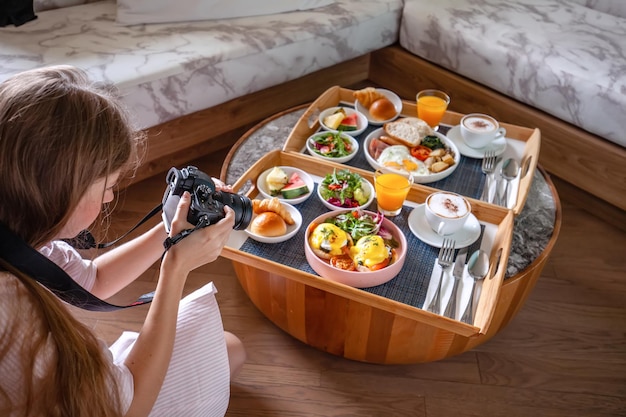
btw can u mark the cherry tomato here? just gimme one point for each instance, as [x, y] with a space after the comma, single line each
[420, 152]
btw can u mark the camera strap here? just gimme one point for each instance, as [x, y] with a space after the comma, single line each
[37, 266]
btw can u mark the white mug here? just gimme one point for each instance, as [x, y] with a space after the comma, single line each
[446, 212]
[479, 130]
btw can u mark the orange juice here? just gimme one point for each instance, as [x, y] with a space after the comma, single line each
[391, 191]
[431, 106]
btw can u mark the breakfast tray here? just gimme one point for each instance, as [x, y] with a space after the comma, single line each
[522, 144]
[404, 295]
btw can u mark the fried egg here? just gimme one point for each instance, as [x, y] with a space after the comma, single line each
[399, 157]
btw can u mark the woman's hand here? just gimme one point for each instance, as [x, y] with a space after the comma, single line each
[203, 245]
[220, 186]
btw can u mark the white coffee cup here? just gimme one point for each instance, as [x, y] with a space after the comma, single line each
[479, 130]
[446, 212]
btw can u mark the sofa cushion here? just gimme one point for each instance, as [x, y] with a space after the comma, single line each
[556, 55]
[169, 70]
[131, 12]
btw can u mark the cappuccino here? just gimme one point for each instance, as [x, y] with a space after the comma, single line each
[480, 124]
[451, 206]
[479, 130]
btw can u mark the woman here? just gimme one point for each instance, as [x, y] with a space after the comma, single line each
[64, 145]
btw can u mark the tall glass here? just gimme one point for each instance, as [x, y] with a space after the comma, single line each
[391, 191]
[431, 106]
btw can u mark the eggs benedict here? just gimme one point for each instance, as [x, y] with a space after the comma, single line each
[327, 240]
[371, 253]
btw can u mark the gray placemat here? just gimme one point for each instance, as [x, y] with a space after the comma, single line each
[408, 287]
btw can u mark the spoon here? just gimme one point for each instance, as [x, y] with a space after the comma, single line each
[509, 171]
[477, 267]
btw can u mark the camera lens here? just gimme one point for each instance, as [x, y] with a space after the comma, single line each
[241, 205]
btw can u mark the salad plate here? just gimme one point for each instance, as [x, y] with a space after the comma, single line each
[421, 175]
[343, 189]
[422, 230]
[336, 147]
[498, 145]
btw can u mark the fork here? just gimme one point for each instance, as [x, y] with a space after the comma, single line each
[488, 167]
[446, 254]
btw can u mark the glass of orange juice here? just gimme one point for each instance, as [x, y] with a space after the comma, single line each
[431, 106]
[391, 191]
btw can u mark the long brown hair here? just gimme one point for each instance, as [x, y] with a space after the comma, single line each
[59, 133]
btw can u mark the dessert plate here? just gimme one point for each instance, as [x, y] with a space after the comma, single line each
[420, 228]
[498, 145]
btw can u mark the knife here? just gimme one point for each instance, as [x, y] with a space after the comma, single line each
[457, 273]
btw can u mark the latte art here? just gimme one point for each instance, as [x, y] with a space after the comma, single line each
[479, 124]
[448, 205]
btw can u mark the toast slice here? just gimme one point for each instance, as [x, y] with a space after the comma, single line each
[409, 130]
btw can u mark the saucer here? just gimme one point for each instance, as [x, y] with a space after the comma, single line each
[422, 230]
[498, 145]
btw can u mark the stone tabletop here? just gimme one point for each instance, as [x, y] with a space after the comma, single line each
[533, 226]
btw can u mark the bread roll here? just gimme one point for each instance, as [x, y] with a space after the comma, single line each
[268, 224]
[382, 109]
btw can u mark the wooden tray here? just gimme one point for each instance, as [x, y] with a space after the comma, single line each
[501, 218]
[526, 150]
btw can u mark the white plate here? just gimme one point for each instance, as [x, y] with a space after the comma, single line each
[393, 97]
[291, 229]
[422, 230]
[265, 192]
[340, 160]
[418, 179]
[366, 185]
[498, 145]
[361, 120]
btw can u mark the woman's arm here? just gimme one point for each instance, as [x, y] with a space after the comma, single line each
[149, 358]
[122, 265]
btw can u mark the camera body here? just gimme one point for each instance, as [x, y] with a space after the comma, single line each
[207, 204]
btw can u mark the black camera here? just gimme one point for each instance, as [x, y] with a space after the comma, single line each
[207, 204]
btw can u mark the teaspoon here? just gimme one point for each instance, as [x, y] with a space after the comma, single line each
[477, 267]
[509, 171]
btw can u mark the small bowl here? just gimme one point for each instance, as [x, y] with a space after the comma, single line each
[361, 120]
[393, 97]
[291, 229]
[356, 279]
[339, 160]
[265, 192]
[366, 185]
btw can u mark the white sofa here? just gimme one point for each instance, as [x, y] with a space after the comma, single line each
[192, 81]
[558, 65]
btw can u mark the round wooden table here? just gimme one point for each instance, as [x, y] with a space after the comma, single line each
[342, 326]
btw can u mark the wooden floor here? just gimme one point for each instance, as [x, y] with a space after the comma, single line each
[563, 355]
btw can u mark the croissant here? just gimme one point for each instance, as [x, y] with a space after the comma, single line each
[367, 96]
[274, 205]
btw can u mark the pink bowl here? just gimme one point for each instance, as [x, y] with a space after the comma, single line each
[355, 278]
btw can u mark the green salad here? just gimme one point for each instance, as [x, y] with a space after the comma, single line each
[331, 145]
[344, 189]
